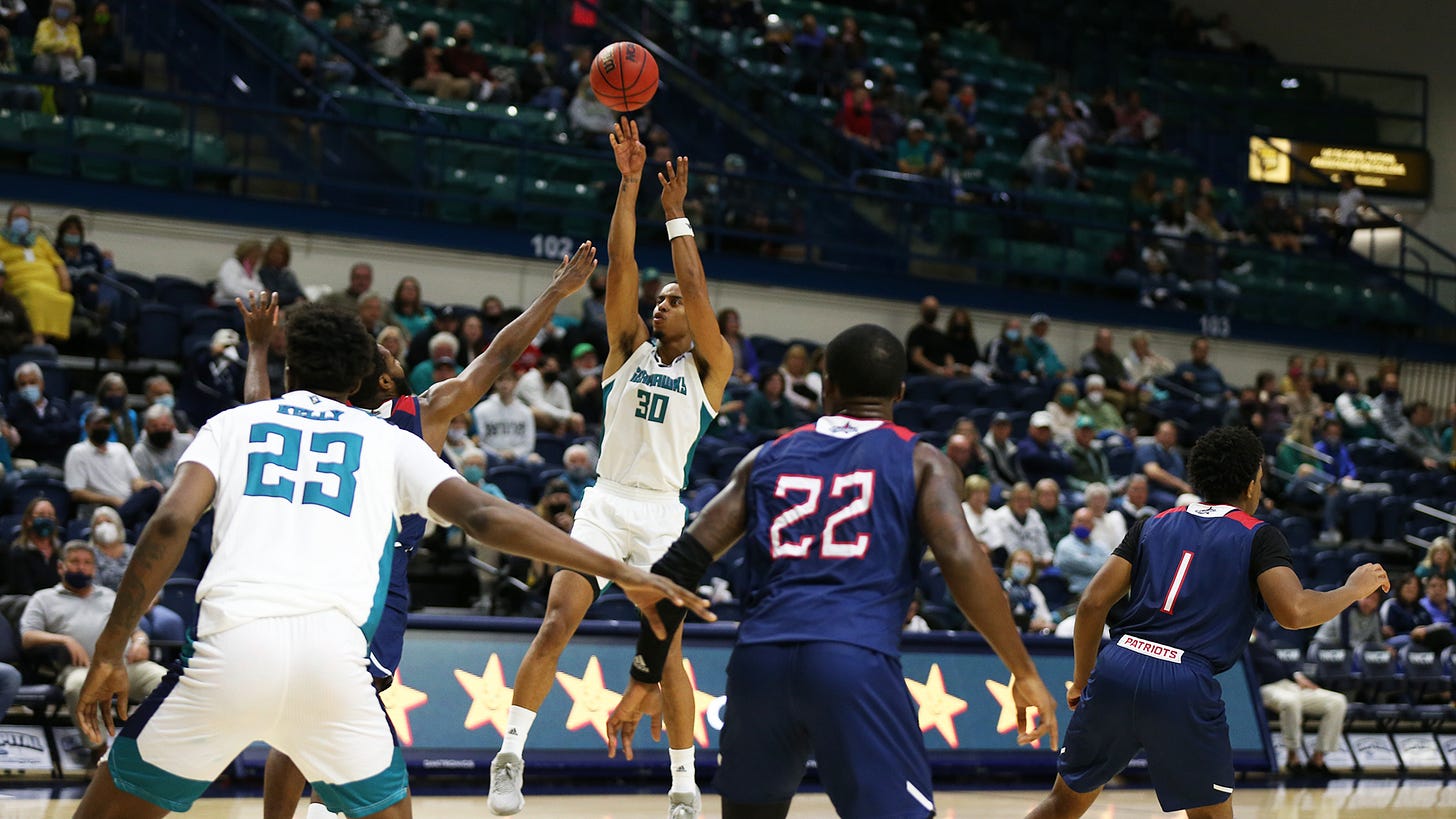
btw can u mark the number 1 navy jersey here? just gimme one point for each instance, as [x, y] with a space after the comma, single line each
[833, 546]
[404, 412]
[1195, 576]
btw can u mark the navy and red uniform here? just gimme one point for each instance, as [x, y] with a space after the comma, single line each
[833, 553]
[1193, 600]
[388, 645]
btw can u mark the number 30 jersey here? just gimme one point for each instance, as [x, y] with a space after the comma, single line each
[654, 415]
[833, 549]
[308, 502]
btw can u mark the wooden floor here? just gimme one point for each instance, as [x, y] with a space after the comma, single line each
[1376, 799]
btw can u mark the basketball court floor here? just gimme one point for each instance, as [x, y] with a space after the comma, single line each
[1342, 799]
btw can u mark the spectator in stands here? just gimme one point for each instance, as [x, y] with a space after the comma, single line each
[378, 29]
[577, 68]
[1009, 356]
[931, 64]
[158, 392]
[336, 68]
[1349, 212]
[808, 42]
[581, 471]
[1044, 359]
[472, 340]
[1143, 366]
[71, 615]
[802, 386]
[1356, 628]
[1163, 466]
[423, 345]
[1277, 226]
[35, 553]
[1098, 409]
[506, 427]
[964, 450]
[36, 275]
[537, 78]
[1440, 561]
[1019, 526]
[277, 276]
[853, 50]
[745, 359]
[1198, 375]
[1133, 505]
[1438, 635]
[221, 372]
[1047, 160]
[1028, 604]
[915, 153]
[111, 394]
[361, 279]
[475, 469]
[57, 48]
[1293, 695]
[1079, 554]
[113, 553]
[1302, 402]
[856, 117]
[372, 313]
[99, 472]
[934, 103]
[1039, 455]
[457, 440]
[15, 329]
[442, 345]
[407, 310]
[981, 519]
[769, 412]
[1062, 410]
[929, 349]
[1403, 620]
[1001, 451]
[1108, 527]
[392, 339]
[1102, 360]
[1418, 437]
[45, 425]
[238, 275]
[550, 401]
[464, 62]
[960, 335]
[157, 453]
[584, 381]
[590, 119]
[1325, 385]
[88, 266]
[1054, 515]
[1136, 125]
[1089, 462]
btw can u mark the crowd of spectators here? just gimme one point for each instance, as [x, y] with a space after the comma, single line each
[72, 42]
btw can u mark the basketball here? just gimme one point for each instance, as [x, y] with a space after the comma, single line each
[624, 76]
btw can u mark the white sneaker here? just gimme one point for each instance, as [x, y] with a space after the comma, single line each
[684, 805]
[505, 784]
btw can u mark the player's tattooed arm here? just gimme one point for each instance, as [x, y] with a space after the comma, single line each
[457, 395]
[260, 318]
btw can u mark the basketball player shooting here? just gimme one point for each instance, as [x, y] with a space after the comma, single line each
[661, 391]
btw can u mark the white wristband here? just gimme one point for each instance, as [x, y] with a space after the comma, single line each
[678, 227]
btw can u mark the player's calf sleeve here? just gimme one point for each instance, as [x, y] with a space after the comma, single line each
[518, 726]
[684, 564]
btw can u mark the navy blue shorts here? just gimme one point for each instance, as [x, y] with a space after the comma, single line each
[846, 706]
[1173, 710]
[387, 647]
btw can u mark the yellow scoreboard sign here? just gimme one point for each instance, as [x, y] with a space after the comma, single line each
[1403, 172]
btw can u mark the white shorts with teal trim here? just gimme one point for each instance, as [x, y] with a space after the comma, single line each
[299, 684]
[634, 526]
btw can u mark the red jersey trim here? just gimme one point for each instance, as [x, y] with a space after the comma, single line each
[791, 433]
[905, 434]
[407, 404]
[1172, 511]
[1248, 520]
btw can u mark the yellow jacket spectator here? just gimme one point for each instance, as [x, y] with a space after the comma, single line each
[57, 46]
[37, 276]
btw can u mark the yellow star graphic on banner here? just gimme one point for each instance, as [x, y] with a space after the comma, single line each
[399, 699]
[1007, 720]
[702, 701]
[490, 700]
[591, 701]
[938, 709]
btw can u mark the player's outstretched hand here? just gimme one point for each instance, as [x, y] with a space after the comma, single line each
[1031, 692]
[105, 681]
[674, 179]
[640, 700]
[645, 589]
[575, 269]
[1368, 578]
[260, 316]
[630, 152]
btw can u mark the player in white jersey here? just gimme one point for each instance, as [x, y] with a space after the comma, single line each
[662, 390]
[308, 493]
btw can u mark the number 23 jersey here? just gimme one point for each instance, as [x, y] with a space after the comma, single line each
[309, 494]
[833, 549]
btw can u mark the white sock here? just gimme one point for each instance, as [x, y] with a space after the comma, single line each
[318, 811]
[518, 725]
[683, 764]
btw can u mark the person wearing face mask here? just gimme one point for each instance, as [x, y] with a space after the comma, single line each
[57, 47]
[31, 564]
[69, 616]
[464, 62]
[45, 425]
[1094, 405]
[102, 473]
[457, 441]
[36, 275]
[927, 348]
[111, 394]
[581, 471]
[1028, 604]
[113, 553]
[473, 468]
[1389, 407]
[542, 390]
[1063, 411]
[161, 447]
[92, 270]
[538, 84]
[158, 392]
[1009, 356]
[378, 29]
[1079, 557]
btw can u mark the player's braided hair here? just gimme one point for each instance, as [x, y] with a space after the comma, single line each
[1223, 463]
[866, 361]
[328, 349]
